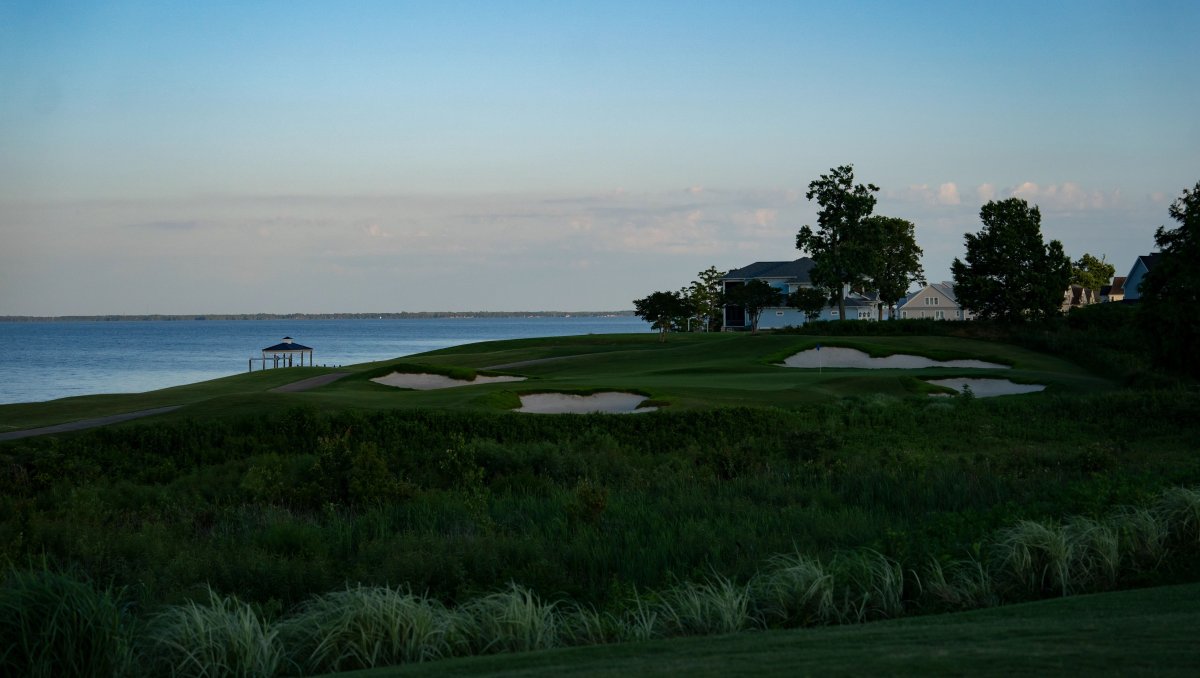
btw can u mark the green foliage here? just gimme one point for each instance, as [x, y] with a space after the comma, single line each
[809, 300]
[663, 310]
[1010, 273]
[841, 248]
[365, 627]
[754, 296]
[1171, 290]
[897, 261]
[1090, 272]
[704, 295]
[53, 625]
[224, 637]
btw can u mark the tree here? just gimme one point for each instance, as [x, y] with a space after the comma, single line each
[1010, 272]
[840, 249]
[662, 310]
[809, 300]
[1091, 272]
[1171, 290]
[896, 263]
[705, 295]
[754, 296]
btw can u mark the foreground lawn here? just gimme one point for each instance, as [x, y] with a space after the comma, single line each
[1143, 632]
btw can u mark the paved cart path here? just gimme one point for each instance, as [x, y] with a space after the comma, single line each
[82, 424]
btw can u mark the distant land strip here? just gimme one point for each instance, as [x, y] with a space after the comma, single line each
[319, 316]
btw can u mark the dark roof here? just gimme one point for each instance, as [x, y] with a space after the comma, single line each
[1118, 285]
[795, 271]
[287, 346]
[1150, 259]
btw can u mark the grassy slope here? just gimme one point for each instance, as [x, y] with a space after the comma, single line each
[1143, 632]
[688, 371]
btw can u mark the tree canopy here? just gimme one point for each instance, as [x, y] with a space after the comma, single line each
[896, 260]
[663, 310]
[1091, 272]
[841, 250]
[1171, 290]
[1010, 272]
[705, 296]
[754, 296]
[808, 300]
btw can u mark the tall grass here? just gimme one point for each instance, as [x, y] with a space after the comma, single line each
[224, 637]
[512, 620]
[714, 606]
[52, 625]
[365, 627]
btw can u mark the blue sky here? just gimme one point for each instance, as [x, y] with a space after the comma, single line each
[165, 157]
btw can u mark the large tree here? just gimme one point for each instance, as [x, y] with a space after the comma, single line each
[840, 249]
[663, 310]
[896, 261]
[754, 296]
[1171, 290]
[1091, 272]
[809, 300]
[705, 295]
[1010, 272]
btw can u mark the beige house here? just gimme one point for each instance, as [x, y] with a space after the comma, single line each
[936, 301]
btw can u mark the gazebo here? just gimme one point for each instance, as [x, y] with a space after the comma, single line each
[283, 353]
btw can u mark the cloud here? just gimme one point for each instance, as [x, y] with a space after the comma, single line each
[948, 194]
[986, 192]
[1066, 197]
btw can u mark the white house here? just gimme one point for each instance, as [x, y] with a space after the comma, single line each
[936, 301]
[1133, 281]
[787, 277]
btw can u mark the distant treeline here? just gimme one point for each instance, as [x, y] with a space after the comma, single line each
[321, 316]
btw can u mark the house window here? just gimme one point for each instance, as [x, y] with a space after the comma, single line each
[834, 313]
[903, 314]
[939, 315]
[778, 312]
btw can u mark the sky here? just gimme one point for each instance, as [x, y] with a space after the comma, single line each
[279, 157]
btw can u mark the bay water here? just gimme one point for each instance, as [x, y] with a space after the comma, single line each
[48, 360]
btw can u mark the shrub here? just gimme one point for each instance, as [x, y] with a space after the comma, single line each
[366, 627]
[795, 590]
[512, 620]
[223, 638]
[52, 625]
[711, 607]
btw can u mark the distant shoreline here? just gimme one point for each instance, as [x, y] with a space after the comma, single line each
[403, 315]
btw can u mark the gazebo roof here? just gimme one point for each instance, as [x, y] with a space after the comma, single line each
[287, 345]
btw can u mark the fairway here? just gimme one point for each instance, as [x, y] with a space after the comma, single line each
[686, 372]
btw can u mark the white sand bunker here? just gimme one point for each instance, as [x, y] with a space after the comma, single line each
[429, 382]
[837, 356]
[987, 388]
[610, 402]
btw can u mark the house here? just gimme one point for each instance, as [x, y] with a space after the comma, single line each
[1115, 291]
[935, 300]
[1133, 281]
[1078, 295]
[787, 277]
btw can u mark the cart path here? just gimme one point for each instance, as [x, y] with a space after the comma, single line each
[310, 383]
[86, 423]
[82, 424]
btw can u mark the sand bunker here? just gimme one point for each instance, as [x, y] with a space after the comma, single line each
[987, 388]
[609, 402]
[429, 382]
[836, 356]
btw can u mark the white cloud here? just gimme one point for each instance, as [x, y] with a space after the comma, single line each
[986, 192]
[1067, 196]
[948, 194]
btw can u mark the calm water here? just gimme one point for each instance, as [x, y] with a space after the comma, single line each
[43, 361]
